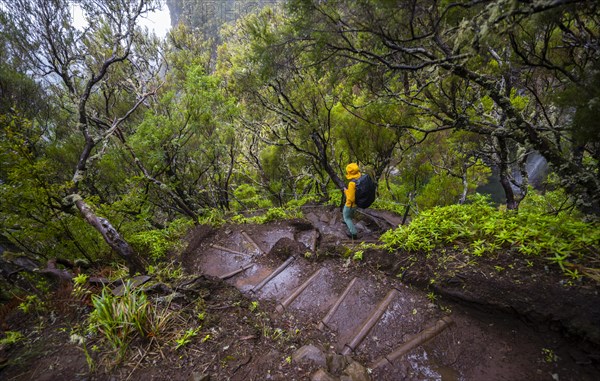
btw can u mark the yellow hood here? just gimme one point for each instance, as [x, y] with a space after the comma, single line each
[352, 171]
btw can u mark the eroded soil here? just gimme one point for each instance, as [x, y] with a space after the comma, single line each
[518, 323]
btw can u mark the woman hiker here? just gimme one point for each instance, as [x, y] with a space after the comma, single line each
[352, 173]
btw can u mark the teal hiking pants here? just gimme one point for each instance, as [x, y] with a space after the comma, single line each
[348, 214]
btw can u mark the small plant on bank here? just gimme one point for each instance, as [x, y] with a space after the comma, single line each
[120, 319]
[549, 355]
[187, 337]
[432, 296]
[272, 214]
[80, 290]
[80, 340]
[358, 255]
[213, 217]
[166, 271]
[11, 338]
[253, 306]
[297, 203]
[32, 303]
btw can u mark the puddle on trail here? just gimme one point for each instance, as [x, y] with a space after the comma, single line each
[215, 262]
[416, 365]
[251, 277]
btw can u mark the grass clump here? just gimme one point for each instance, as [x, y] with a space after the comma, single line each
[121, 319]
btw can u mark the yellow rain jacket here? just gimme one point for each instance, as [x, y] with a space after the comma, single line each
[352, 173]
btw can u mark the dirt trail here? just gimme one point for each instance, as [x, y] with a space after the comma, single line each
[398, 332]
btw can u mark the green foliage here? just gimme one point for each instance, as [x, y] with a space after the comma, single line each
[250, 198]
[79, 286]
[481, 230]
[186, 337]
[32, 303]
[156, 243]
[556, 202]
[166, 271]
[11, 337]
[549, 355]
[272, 214]
[297, 203]
[440, 190]
[120, 319]
[213, 217]
[187, 140]
[275, 214]
[253, 306]
[153, 243]
[32, 184]
[335, 198]
[358, 255]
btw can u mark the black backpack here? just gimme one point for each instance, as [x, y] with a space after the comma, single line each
[365, 191]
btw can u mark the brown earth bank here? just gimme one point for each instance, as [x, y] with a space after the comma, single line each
[511, 320]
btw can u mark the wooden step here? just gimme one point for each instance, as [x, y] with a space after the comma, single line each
[419, 339]
[272, 275]
[253, 243]
[290, 299]
[235, 272]
[370, 322]
[232, 251]
[336, 305]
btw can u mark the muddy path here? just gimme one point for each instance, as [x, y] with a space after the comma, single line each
[308, 271]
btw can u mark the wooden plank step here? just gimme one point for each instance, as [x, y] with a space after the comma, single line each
[419, 339]
[323, 323]
[223, 248]
[253, 243]
[290, 299]
[272, 275]
[235, 272]
[369, 322]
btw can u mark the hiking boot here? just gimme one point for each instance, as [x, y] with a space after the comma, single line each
[351, 236]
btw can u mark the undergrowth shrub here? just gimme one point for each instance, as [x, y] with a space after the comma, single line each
[335, 198]
[392, 206]
[272, 214]
[213, 217]
[248, 197]
[121, 319]
[9, 338]
[156, 243]
[297, 203]
[480, 229]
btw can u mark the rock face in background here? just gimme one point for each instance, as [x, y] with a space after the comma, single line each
[209, 15]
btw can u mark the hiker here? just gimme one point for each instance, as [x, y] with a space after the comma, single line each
[352, 173]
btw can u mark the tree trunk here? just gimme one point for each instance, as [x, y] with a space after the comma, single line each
[325, 163]
[505, 174]
[465, 185]
[112, 237]
[575, 178]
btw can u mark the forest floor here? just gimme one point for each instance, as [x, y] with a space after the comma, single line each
[511, 319]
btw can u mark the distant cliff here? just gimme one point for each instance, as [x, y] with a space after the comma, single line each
[209, 15]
